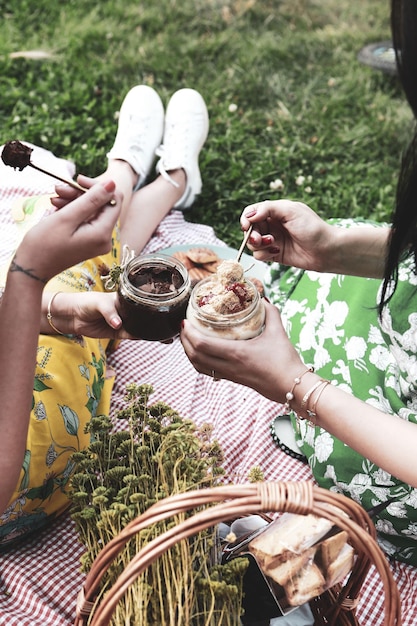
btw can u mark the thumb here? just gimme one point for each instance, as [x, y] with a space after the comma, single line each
[109, 312]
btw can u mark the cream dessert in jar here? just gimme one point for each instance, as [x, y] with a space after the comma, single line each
[227, 304]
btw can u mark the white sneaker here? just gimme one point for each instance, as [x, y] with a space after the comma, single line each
[139, 132]
[186, 130]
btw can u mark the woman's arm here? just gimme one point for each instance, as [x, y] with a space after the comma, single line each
[385, 439]
[270, 365]
[293, 234]
[19, 330]
[66, 237]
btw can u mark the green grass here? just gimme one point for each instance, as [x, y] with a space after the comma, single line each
[304, 104]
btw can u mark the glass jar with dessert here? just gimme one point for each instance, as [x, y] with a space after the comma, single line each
[227, 304]
[153, 293]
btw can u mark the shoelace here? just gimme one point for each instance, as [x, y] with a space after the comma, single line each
[161, 152]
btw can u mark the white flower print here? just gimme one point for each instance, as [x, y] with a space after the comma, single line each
[323, 446]
[358, 485]
[397, 509]
[392, 382]
[406, 272]
[309, 322]
[411, 499]
[411, 530]
[355, 348]
[87, 280]
[330, 473]
[387, 547]
[14, 509]
[386, 527]
[375, 335]
[39, 411]
[321, 357]
[407, 414]
[408, 338]
[380, 357]
[342, 369]
[407, 363]
[307, 433]
[383, 478]
[378, 400]
[292, 307]
[51, 455]
[331, 326]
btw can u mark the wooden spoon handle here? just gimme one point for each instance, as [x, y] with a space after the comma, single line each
[244, 242]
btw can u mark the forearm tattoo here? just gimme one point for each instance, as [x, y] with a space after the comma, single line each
[15, 267]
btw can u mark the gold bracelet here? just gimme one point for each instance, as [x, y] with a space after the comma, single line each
[49, 314]
[290, 394]
[309, 393]
[312, 413]
[304, 403]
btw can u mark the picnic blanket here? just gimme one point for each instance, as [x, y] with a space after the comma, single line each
[40, 579]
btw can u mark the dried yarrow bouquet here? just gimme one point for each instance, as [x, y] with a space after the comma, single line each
[119, 476]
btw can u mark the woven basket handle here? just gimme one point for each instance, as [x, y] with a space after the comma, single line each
[236, 501]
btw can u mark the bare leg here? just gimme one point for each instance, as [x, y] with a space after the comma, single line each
[142, 210]
[148, 207]
[124, 177]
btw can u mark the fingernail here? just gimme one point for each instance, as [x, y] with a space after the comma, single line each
[115, 322]
[250, 213]
[274, 250]
[182, 323]
[110, 185]
[267, 239]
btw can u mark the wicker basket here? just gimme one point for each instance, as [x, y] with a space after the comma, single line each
[335, 607]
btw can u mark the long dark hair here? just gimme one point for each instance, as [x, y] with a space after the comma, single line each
[403, 237]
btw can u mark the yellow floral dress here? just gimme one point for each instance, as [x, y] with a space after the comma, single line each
[71, 385]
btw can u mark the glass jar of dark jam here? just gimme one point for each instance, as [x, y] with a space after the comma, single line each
[154, 290]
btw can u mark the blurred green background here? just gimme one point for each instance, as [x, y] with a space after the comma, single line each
[288, 99]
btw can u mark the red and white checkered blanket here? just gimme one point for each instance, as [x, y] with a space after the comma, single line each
[40, 580]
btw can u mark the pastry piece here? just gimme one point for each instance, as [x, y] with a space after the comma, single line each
[284, 571]
[212, 266]
[289, 535]
[198, 273]
[341, 566]
[308, 583]
[185, 260]
[202, 256]
[200, 262]
[329, 549]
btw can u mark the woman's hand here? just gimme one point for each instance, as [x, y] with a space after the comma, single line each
[268, 363]
[292, 234]
[81, 229]
[91, 313]
[288, 232]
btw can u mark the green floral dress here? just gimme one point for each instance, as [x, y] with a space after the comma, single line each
[333, 322]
